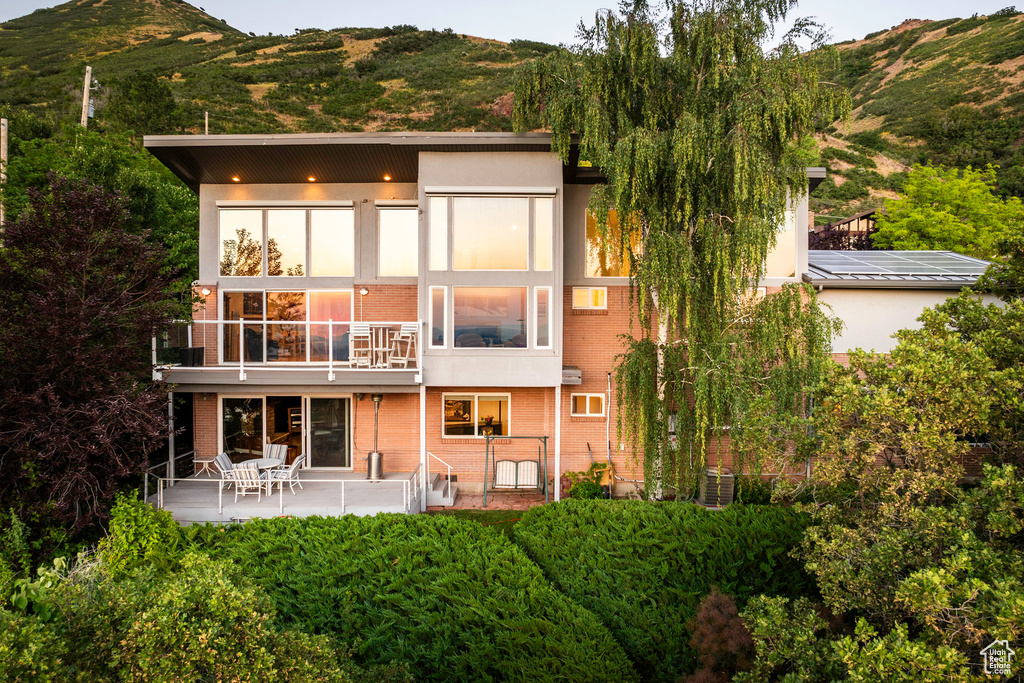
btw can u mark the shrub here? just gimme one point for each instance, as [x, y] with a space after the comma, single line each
[722, 641]
[139, 534]
[449, 598]
[29, 650]
[585, 490]
[642, 568]
[201, 622]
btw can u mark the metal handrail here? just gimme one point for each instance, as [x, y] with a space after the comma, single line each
[410, 483]
[330, 363]
[149, 471]
[448, 480]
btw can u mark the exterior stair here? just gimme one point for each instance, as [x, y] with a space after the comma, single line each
[440, 491]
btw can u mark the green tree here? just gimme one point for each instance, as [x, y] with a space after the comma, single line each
[143, 103]
[159, 205]
[949, 209]
[696, 129]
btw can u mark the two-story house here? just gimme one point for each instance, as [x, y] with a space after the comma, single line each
[454, 276]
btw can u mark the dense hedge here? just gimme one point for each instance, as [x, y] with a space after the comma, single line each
[453, 600]
[642, 568]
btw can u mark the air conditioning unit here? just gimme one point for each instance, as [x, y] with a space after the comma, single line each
[716, 490]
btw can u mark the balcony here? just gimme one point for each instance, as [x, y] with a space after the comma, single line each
[220, 354]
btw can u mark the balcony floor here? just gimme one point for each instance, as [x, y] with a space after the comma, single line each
[194, 500]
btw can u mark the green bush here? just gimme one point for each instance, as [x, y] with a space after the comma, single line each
[201, 622]
[139, 535]
[643, 568]
[585, 490]
[752, 490]
[29, 650]
[452, 600]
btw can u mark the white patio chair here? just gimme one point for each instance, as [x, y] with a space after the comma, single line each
[276, 450]
[403, 346]
[360, 345]
[249, 479]
[288, 474]
[227, 470]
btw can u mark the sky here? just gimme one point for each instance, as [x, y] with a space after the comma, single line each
[549, 21]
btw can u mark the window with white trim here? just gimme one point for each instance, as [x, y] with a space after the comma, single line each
[438, 319]
[280, 242]
[542, 317]
[397, 241]
[590, 298]
[476, 415]
[586, 405]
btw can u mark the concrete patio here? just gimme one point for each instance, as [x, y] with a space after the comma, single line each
[325, 493]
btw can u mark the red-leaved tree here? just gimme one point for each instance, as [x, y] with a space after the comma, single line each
[79, 299]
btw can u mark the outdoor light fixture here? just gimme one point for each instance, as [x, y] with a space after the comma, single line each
[235, 179]
[311, 179]
[205, 291]
[364, 291]
[387, 177]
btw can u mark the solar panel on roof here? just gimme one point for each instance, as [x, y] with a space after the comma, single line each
[896, 264]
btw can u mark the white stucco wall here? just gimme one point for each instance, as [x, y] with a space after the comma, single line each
[872, 316]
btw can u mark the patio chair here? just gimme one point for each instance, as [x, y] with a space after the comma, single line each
[248, 480]
[403, 346]
[360, 345]
[276, 450]
[288, 474]
[227, 470]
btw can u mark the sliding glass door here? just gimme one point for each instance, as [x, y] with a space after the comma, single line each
[329, 432]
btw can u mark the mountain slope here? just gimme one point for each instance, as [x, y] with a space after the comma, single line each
[311, 81]
[944, 92]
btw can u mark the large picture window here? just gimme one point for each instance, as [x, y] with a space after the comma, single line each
[475, 415]
[487, 317]
[491, 233]
[286, 327]
[278, 242]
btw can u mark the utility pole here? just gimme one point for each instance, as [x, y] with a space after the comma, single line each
[3, 166]
[206, 122]
[85, 97]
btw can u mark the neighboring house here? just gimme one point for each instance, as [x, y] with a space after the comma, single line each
[455, 275]
[876, 293]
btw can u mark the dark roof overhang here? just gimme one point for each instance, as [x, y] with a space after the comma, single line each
[328, 157]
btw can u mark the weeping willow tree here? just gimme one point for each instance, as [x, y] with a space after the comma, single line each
[701, 135]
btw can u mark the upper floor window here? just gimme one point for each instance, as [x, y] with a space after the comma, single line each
[604, 253]
[512, 233]
[397, 241]
[287, 242]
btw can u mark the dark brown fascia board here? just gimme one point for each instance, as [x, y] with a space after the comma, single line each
[394, 138]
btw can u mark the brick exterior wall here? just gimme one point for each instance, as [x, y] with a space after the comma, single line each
[390, 303]
[206, 416]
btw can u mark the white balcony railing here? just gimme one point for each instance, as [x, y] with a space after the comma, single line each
[291, 345]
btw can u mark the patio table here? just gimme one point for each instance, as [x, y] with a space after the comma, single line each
[264, 463]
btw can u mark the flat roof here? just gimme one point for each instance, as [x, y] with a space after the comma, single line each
[892, 269]
[344, 157]
[328, 157]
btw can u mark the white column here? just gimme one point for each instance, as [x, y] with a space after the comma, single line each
[85, 96]
[423, 447]
[558, 443]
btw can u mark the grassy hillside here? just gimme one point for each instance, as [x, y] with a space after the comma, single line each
[941, 91]
[313, 80]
